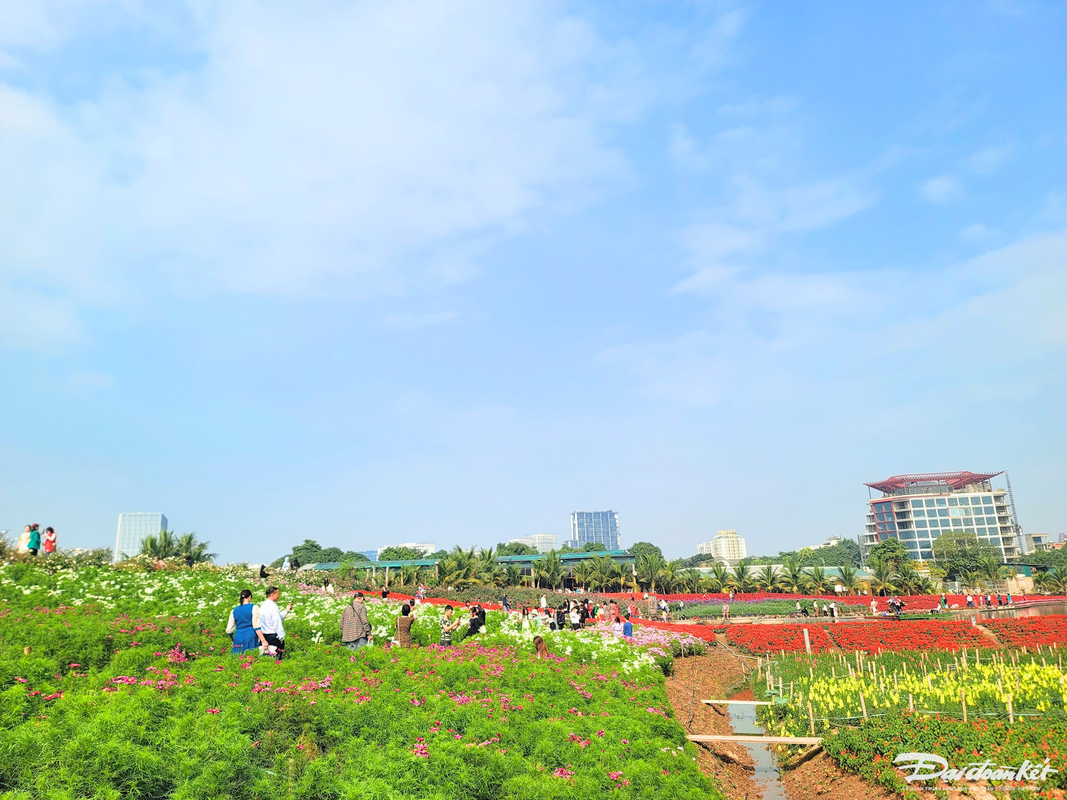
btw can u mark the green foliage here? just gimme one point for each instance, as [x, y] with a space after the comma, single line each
[594, 547]
[310, 552]
[845, 552]
[129, 686]
[167, 545]
[892, 553]
[959, 553]
[638, 549]
[400, 554]
[1047, 558]
[515, 549]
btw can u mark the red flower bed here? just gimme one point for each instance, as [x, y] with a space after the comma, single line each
[907, 635]
[1030, 631]
[703, 632]
[775, 638]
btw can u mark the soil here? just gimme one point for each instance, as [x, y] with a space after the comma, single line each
[821, 778]
[710, 677]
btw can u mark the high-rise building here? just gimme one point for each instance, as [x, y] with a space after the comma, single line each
[916, 509]
[425, 548]
[541, 542]
[371, 555]
[594, 526]
[727, 547]
[133, 528]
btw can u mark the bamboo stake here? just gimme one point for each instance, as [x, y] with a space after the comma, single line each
[1011, 712]
[963, 702]
[863, 705]
[911, 703]
[811, 719]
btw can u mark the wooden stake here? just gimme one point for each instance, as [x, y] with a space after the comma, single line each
[863, 705]
[963, 702]
[1011, 712]
[911, 703]
[811, 719]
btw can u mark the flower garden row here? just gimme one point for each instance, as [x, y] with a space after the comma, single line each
[128, 684]
[899, 635]
[965, 706]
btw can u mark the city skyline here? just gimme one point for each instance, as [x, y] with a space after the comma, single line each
[713, 264]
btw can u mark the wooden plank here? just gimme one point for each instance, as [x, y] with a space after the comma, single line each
[738, 702]
[701, 737]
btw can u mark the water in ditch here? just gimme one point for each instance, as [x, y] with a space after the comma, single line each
[766, 775]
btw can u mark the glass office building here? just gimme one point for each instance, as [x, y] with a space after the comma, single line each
[595, 526]
[916, 509]
[133, 528]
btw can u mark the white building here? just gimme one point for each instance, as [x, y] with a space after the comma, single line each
[541, 542]
[830, 541]
[727, 547]
[916, 509]
[424, 547]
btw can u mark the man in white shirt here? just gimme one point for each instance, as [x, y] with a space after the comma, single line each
[544, 602]
[271, 622]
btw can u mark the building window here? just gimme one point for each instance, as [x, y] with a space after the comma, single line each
[919, 513]
[941, 502]
[954, 512]
[929, 503]
[920, 523]
[942, 512]
[916, 503]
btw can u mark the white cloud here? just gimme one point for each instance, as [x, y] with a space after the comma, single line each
[977, 233]
[940, 190]
[989, 160]
[31, 320]
[420, 320]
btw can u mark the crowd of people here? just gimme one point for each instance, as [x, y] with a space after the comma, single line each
[262, 627]
[33, 540]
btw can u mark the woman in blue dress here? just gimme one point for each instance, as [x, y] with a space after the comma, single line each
[243, 626]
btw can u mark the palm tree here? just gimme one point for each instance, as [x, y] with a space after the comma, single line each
[581, 573]
[742, 579]
[606, 573]
[720, 576]
[513, 575]
[849, 578]
[671, 575]
[649, 568]
[767, 578]
[815, 579]
[1057, 577]
[549, 570]
[792, 576]
[158, 546]
[882, 578]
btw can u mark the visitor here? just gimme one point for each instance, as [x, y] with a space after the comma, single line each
[474, 624]
[575, 618]
[540, 651]
[561, 618]
[243, 626]
[544, 603]
[34, 544]
[874, 607]
[356, 630]
[448, 626]
[403, 626]
[385, 593]
[833, 610]
[271, 623]
[24, 540]
[944, 602]
[725, 612]
[627, 627]
[798, 608]
[263, 572]
[825, 610]
[524, 623]
[504, 604]
[285, 564]
[1000, 599]
[988, 601]
[970, 601]
[1009, 598]
[617, 626]
[815, 608]
[49, 541]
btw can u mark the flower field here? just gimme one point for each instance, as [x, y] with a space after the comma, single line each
[1030, 631]
[128, 690]
[775, 638]
[870, 708]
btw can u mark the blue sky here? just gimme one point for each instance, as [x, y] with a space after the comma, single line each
[371, 273]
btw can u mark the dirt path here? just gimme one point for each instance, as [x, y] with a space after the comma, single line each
[706, 677]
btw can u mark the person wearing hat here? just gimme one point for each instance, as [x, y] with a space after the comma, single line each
[355, 628]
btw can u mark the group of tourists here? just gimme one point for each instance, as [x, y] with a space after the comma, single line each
[33, 540]
[987, 600]
[262, 627]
